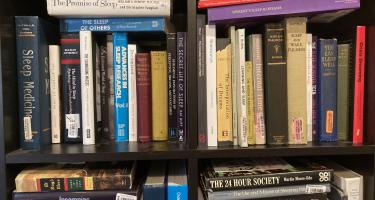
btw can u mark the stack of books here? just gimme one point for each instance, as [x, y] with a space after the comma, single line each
[270, 81]
[115, 70]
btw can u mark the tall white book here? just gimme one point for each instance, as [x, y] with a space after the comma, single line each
[132, 85]
[211, 85]
[232, 35]
[55, 73]
[240, 64]
[309, 87]
[87, 87]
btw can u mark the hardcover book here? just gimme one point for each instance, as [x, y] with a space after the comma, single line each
[224, 92]
[177, 186]
[181, 86]
[172, 86]
[55, 87]
[159, 95]
[76, 177]
[132, 84]
[33, 81]
[276, 91]
[219, 3]
[155, 185]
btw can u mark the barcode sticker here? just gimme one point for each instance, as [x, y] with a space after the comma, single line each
[329, 121]
[312, 189]
[72, 123]
[27, 128]
[120, 196]
[297, 130]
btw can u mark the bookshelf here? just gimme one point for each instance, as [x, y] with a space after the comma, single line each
[12, 159]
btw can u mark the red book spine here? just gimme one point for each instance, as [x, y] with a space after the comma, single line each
[359, 85]
[143, 76]
[218, 3]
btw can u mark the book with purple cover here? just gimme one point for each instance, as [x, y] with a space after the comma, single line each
[252, 12]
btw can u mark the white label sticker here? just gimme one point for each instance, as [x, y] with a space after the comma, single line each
[312, 189]
[120, 196]
[72, 123]
[27, 128]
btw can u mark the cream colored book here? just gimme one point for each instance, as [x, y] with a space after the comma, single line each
[55, 74]
[250, 103]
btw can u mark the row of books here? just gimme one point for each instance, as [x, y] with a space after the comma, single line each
[281, 179]
[283, 86]
[104, 181]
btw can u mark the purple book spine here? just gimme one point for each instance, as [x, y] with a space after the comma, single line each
[274, 8]
[314, 79]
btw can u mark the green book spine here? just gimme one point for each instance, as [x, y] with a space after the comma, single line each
[343, 92]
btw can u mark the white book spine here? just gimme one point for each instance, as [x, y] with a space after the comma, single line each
[108, 8]
[132, 51]
[309, 87]
[87, 87]
[232, 32]
[241, 88]
[350, 186]
[211, 85]
[55, 73]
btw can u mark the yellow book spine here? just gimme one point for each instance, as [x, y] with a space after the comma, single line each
[224, 96]
[159, 95]
[250, 103]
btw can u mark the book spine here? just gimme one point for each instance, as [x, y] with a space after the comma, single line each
[359, 81]
[133, 137]
[260, 129]
[97, 91]
[249, 12]
[121, 88]
[295, 35]
[211, 85]
[181, 86]
[317, 196]
[71, 79]
[269, 192]
[326, 90]
[55, 87]
[172, 108]
[201, 62]
[216, 3]
[110, 88]
[343, 92]
[352, 187]
[87, 87]
[33, 75]
[130, 24]
[159, 95]
[309, 86]
[104, 90]
[232, 35]
[92, 195]
[276, 91]
[143, 70]
[177, 192]
[314, 80]
[108, 8]
[250, 103]
[273, 180]
[177, 186]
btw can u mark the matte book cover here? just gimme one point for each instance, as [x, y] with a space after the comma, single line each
[155, 185]
[172, 86]
[177, 186]
[181, 86]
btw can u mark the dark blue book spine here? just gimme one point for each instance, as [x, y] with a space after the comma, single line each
[71, 73]
[154, 192]
[33, 83]
[181, 86]
[327, 90]
[172, 109]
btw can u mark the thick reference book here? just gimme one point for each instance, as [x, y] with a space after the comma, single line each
[159, 95]
[224, 92]
[121, 89]
[155, 185]
[275, 84]
[143, 75]
[229, 174]
[172, 86]
[254, 12]
[132, 85]
[219, 3]
[71, 83]
[181, 87]
[327, 90]
[55, 87]
[76, 177]
[130, 24]
[177, 186]
[32, 35]
[109, 8]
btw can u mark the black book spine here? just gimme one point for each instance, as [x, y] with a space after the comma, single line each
[92, 195]
[71, 73]
[172, 108]
[181, 86]
[268, 180]
[103, 90]
[275, 84]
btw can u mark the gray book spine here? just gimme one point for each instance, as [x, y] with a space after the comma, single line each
[343, 91]
[232, 36]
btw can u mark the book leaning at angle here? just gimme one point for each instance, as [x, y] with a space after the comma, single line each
[55, 77]
[108, 8]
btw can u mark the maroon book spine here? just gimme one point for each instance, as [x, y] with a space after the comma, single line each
[143, 75]
[370, 87]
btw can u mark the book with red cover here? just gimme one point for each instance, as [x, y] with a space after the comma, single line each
[359, 82]
[143, 76]
[370, 87]
[218, 3]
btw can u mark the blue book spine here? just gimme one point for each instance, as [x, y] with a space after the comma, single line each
[327, 90]
[154, 192]
[33, 83]
[120, 63]
[113, 24]
[181, 86]
[178, 192]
